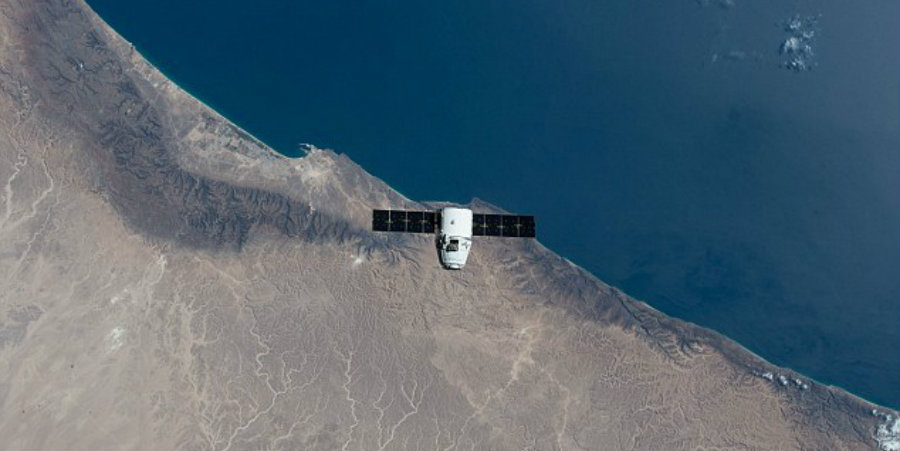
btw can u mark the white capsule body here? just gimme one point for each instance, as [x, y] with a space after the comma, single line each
[455, 237]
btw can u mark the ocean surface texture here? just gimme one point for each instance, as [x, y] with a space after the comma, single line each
[734, 163]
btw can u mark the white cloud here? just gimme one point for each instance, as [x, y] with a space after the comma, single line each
[887, 434]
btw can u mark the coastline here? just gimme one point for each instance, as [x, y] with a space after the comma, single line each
[737, 353]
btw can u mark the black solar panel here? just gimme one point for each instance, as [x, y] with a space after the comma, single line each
[427, 222]
[510, 225]
[404, 221]
[504, 225]
[415, 221]
[493, 225]
[478, 225]
[526, 227]
[398, 221]
[380, 220]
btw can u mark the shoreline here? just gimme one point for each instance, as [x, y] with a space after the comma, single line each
[273, 152]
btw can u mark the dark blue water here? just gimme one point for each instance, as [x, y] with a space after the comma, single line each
[660, 143]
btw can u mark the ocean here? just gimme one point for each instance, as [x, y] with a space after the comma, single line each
[733, 163]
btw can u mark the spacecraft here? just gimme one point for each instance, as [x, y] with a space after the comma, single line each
[453, 229]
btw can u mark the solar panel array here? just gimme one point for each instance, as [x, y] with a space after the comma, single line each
[427, 222]
[404, 221]
[503, 225]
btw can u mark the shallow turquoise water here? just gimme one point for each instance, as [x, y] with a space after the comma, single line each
[659, 143]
